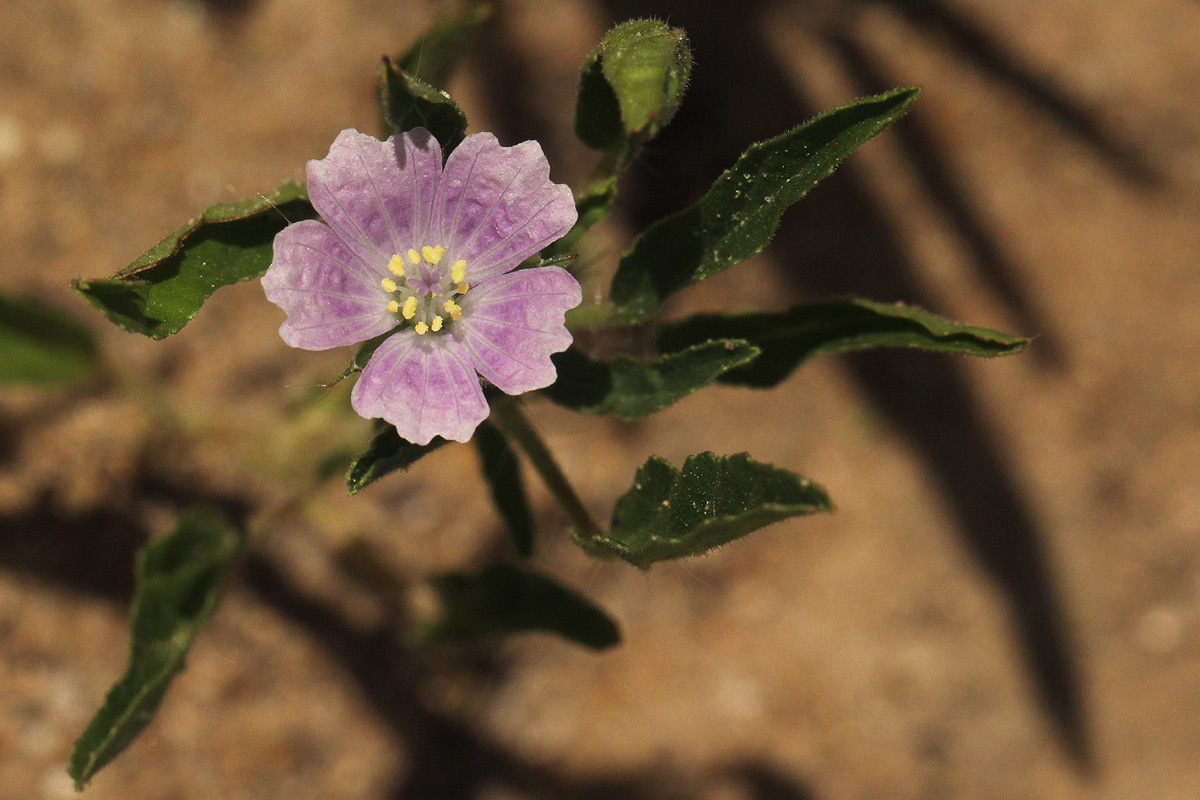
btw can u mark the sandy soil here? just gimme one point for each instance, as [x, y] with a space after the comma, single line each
[1005, 605]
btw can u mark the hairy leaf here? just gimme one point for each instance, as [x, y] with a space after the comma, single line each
[631, 85]
[632, 387]
[163, 290]
[408, 102]
[741, 211]
[386, 454]
[179, 580]
[40, 344]
[789, 338]
[715, 499]
[503, 474]
[503, 599]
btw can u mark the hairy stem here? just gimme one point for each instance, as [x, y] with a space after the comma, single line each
[507, 416]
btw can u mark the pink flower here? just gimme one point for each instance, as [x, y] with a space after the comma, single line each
[429, 251]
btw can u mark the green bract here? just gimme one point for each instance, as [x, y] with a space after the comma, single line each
[631, 86]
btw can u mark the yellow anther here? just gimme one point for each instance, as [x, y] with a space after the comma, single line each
[396, 266]
[453, 309]
[413, 256]
[421, 328]
[437, 324]
[462, 287]
[393, 306]
[389, 285]
[441, 251]
[458, 271]
[410, 307]
[431, 254]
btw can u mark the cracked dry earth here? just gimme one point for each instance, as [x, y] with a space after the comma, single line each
[1005, 604]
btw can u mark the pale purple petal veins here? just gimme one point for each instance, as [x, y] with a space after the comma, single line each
[492, 207]
[512, 324]
[331, 297]
[496, 205]
[423, 385]
[378, 196]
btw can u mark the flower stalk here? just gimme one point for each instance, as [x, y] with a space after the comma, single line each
[507, 416]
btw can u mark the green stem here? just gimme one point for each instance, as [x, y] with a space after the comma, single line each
[506, 415]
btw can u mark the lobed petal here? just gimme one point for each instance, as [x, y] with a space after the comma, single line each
[331, 297]
[424, 385]
[496, 206]
[511, 325]
[378, 196]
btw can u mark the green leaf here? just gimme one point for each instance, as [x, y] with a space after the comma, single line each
[632, 387]
[714, 500]
[631, 86]
[503, 474]
[386, 454]
[593, 205]
[408, 102]
[163, 290]
[179, 580]
[789, 338]
[503, 599]
[433, 57]
[741, 212]
[40, 344]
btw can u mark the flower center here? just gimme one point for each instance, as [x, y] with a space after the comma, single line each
[424, 291]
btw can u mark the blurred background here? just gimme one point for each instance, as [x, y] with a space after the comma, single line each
[1005, 605]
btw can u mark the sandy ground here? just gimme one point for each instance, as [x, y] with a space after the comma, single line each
[1005, 604]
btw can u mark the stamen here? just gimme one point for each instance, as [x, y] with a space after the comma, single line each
[416, 301]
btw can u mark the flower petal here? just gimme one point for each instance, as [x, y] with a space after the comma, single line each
[378, 196]
[331, 297]
[424, 385]
[496, 206]
[512, 323]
